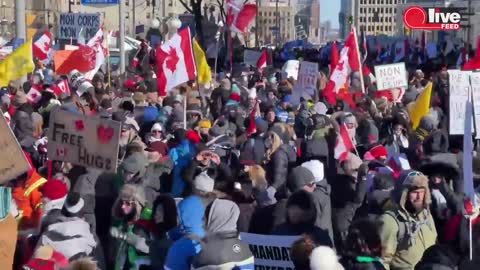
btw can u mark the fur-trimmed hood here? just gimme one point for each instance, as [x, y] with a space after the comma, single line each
[130, 193]
[406, 181]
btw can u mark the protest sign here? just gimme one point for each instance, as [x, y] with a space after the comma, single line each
[307, 79]
[250, 57]
[459, 91]
[87, 141]
[391, 76]
[70, 25]
[475, 84]
[14, 163]
[270, 251]
[290, 69]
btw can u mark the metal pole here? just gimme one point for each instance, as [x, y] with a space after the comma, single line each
[277, 23]
[469, 22]
[256, 24]
[134, 31]
[121, 29]
[163, 9]
[20, 28]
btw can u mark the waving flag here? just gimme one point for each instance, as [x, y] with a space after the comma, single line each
[61, 88]
[175, 61]
[42, 46]
[17, 64]
[262, 61]
[97, 43]
[34, 96]
[334, 56]
[349, 62]
[203, 69]
[240, 15]
[344, 144]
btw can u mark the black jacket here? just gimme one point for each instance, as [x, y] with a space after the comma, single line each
[253, 149]
[279, 166]
[439, 257]
[321, 198]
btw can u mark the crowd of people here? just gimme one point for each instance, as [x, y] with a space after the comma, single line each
[197, 168]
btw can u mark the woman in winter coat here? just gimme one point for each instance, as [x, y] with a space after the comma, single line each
[279, 159]
[165, 217]
[362, 249]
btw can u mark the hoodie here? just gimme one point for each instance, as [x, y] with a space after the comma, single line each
[222, 248]
[181, 156]
[190, 212]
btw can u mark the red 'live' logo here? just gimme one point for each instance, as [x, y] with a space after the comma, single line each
[416, 17]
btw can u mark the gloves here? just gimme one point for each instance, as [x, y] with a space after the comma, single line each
[116, 233]
[138, 242]
[363, 171]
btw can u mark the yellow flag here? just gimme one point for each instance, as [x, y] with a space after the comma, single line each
[203, 69]
[421, 107]
[17, 64]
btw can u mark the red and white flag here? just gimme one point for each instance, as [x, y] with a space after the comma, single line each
[240, 15]
[34, 95]
[262, 61]
[367, 72]
[41, 47]
[97, 44]
[344, 144]
[175, 61]
[61, 87]
[349, 62]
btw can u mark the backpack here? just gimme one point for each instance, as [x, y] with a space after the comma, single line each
[402, 229]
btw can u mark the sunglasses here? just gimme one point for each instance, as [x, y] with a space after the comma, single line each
[414, 173]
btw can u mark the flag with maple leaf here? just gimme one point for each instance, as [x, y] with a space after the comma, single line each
[61, 87]
[34, 95]
[42, 46]
[240, 15]
[348, 62]
[175, 62]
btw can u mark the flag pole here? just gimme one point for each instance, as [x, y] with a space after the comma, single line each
[470, 237]
[359, 60]
[185, 112]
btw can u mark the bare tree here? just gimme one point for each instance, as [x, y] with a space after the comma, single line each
[195, 7]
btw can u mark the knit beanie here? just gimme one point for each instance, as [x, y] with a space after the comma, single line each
[316, 168]
[234, 98]
[74, 203]
[203, 182]
[204, 123]
[135, 163]
[54, 189]
[299, 177]
[20, 98]
[324, 258]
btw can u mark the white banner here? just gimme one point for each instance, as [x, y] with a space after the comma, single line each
[475, 84]
[270, 251]
[307, 79]
[391, 76]
[459, 88]
[70, 25]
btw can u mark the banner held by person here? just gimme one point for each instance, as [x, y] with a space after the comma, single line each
[82, 140]
[270, 251]
[391, 76]
[72, 25]
[475, 84]
[15, 163]
[459, 89]
[307, 79]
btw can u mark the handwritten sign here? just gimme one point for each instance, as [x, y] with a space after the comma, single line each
[475, 84]
[87, 141]
[459, 90]
[270, 251]
[307, 79]
[70, 25]
[391, 76]
[15, 163]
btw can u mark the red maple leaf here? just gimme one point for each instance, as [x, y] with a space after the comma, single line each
[340, 65]
[172, 59]
[34, 95]
[46, 46]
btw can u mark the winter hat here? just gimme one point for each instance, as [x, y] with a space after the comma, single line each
[74, 203]
[287, 99]
[194, 108]
[178, 98]
[316, 168]
[156, 127]
[133, 193]
[204, 123]
[324, 258]
[262, 125]
[234, 98]
[320, 108]
[282, 116]
[54, 189]
[139, 98]
[299, 177]
[20, 98]
[427, 123]
[377, 152]
[193, 136]
[135, 163]
[225, 83]
[46, 258]
[158, 147]
[252, 93]
[203, 183]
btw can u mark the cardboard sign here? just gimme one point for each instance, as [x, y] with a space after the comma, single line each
[70, 25]
[391, 76]
[270, 251]
[307, 79]
[475, 84]
[250, 57]
[459, 93]
[87, 141]
[13, 163]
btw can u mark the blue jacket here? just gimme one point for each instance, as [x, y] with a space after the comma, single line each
[181, 253]
[181, 156]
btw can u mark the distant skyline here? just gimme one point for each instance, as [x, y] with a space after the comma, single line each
[329, 10]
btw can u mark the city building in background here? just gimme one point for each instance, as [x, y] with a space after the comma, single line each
[273, 28]
[377, 17]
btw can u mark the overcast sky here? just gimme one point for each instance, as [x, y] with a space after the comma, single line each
[329, 10]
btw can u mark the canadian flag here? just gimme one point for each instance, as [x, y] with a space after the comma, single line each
[349, 62]
[42, 46]
[262, 61]
[61, 87]
[7, 117]
[97, 44]
[366, 72]
[61, 152]
[240, 15]
[344, 144]
[34, 95]
[175, 62]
